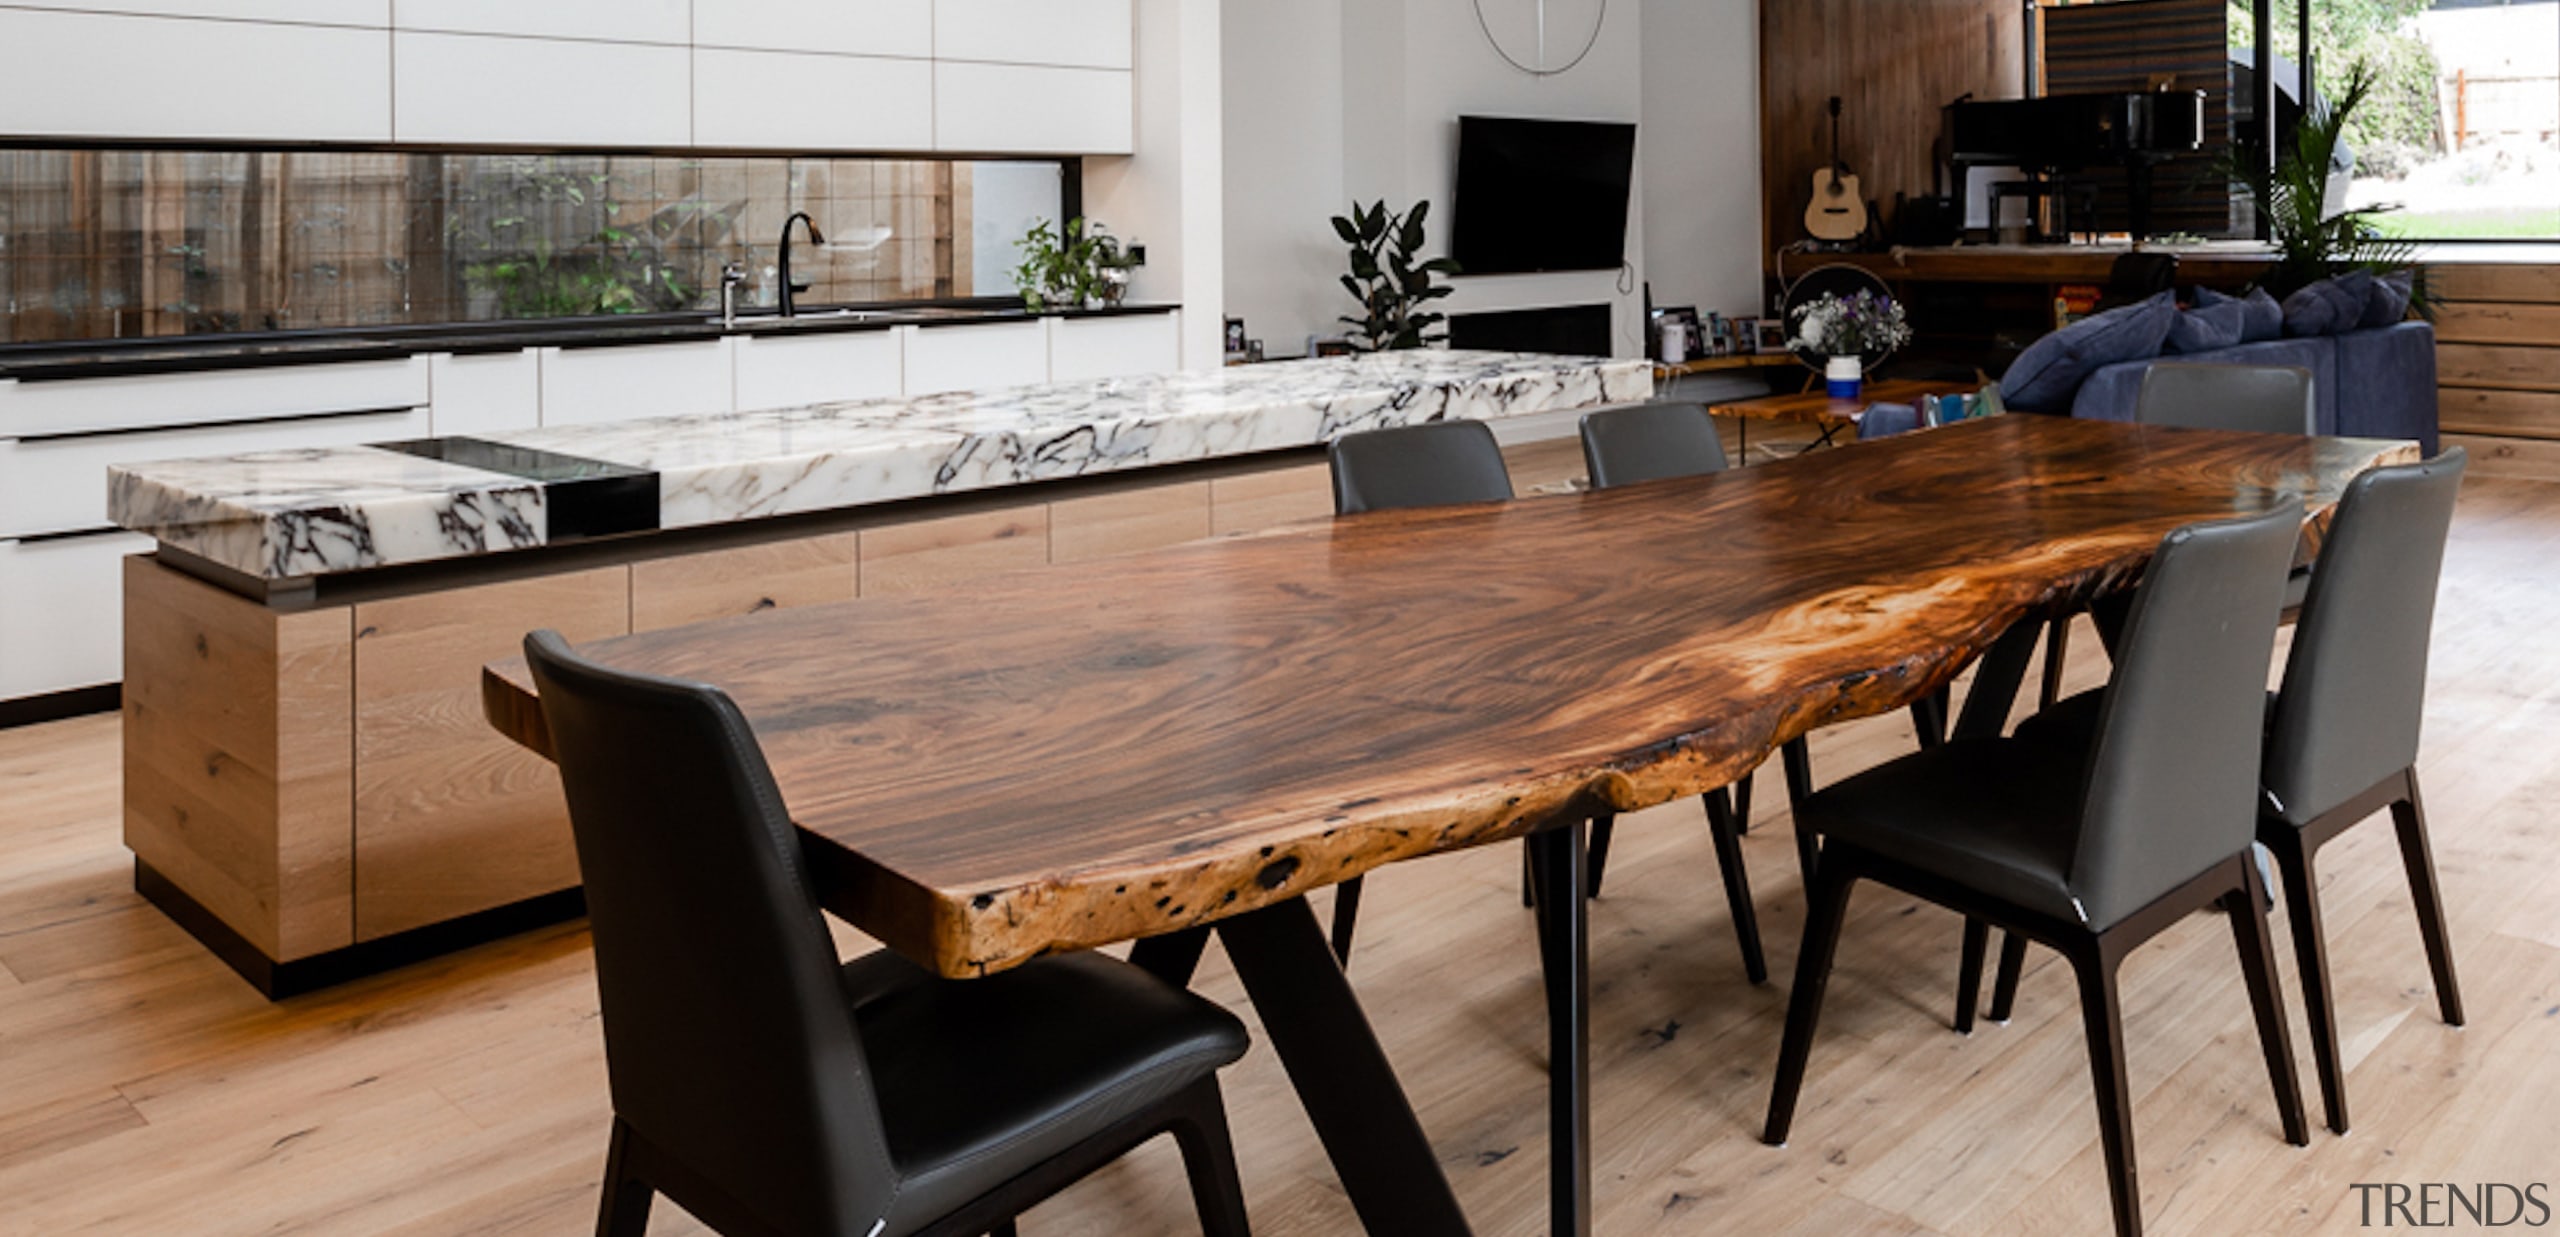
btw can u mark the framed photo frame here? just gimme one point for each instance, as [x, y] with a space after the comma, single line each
[1746, 335]
[1773, 335]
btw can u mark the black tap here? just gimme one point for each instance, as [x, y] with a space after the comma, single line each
[789, 288]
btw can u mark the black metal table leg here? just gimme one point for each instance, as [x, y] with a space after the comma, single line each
[1564, 947]
[1172, 957]
[1996, 680]
[1341, 1075]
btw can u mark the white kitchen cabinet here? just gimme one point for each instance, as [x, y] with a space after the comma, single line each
[62, 612]
[59, 484]
[850, 27]
[370, 14]
[1022, 109]
[1116, 347]
[794, 101]
[585, 386]
[787, 371]
[474, 89]
[669, 22]
[486, 393]
[1093, 34]
[976, 358]
[163, 400]
[182, 79]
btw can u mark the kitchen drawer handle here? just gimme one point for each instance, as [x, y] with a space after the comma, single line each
[126, 431]
[67, 535]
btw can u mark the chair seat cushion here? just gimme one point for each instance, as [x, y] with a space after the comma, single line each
[981, 1080]
[1993, 815]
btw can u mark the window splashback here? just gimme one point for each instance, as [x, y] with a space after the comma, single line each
[105, 244]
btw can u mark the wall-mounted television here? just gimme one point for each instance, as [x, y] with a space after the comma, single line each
[1541, 195]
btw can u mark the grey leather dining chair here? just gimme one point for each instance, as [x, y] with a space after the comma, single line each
[768, 1089]
[2091, 857]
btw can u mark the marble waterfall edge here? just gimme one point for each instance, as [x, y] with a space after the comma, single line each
[286, 514]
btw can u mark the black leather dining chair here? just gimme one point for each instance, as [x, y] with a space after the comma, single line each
[769, 1090]
[2091, 857]
[1433, 464]
[2342, 731]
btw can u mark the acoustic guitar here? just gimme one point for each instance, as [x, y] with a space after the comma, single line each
[1838, 211]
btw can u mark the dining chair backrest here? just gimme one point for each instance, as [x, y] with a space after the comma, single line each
[1650, 442]
[2355, 683]
[1434, 464]
[2172, 783]
[2266, 399]
[729, 1045]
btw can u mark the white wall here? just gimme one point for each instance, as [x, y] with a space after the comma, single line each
[1332, 100]
[1168, 195]
[1702, 153]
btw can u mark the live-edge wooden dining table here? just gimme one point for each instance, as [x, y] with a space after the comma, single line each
[1150, 747]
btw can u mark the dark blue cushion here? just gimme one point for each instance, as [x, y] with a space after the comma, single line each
[2388, 303]
[1882, 420]
[2262, 318]
[2216, 322]
[2044, 377]
[2330, 306]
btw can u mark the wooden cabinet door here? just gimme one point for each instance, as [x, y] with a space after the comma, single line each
[450, 817]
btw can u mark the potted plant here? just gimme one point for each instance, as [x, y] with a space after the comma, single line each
[1852, 332]
[2311, 243]
[1078, 266]
[1387, 281]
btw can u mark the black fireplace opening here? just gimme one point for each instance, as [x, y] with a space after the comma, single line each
[1565, 330]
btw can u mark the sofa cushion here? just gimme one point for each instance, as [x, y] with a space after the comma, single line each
[2388, 303]
[2045, 376]
[2387, 384]
[2111, 393]
[2329, 306]
[2217, 321]
[2262, 319]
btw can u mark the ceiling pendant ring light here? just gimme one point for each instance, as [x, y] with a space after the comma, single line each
[1542, 68]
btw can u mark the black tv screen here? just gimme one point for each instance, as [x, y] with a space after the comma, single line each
[1541, 195]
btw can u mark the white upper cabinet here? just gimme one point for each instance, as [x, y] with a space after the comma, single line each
[617, 21]
[369, 14]
[1094, 34]
[1021, 109]
[468, 89]
[791, 101]
[847, 27]
[182, 79]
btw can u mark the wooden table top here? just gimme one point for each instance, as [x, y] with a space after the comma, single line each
[1057, 760]
[1818, 408]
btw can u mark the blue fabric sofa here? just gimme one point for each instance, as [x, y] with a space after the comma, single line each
[2367, 384]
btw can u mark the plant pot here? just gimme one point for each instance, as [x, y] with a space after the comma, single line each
[1845, 377]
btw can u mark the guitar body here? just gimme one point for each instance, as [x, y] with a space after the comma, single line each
[1838, 211]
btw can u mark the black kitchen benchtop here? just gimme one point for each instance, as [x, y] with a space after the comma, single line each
[176, 354]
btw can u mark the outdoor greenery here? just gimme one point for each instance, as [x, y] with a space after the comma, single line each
[2311, 243]
[1390, 285]
[1071, 267]
[503, 230]
[2378, 38]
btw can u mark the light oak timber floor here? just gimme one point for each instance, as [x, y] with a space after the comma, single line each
[146, 1090]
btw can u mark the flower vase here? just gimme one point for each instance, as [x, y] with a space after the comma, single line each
[1845, 377]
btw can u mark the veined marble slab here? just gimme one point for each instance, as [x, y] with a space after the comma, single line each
[293, 514]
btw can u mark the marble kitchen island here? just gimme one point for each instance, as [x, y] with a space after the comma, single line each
[309, 787]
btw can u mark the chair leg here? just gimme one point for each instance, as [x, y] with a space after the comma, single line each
[2410, 815]
[1346, 916]
[1798, 763]
[624, 1209]
[2102, 1019]
[1977, 942]
[2057, 649]
[1209, 1158]
[2013, 966]
[2311, 964]
[1737, 885]
[1005, 1229]
[1601, 828]
[1827, 907]
[2246, 909]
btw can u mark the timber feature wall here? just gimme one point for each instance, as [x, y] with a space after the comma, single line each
[2498, 365]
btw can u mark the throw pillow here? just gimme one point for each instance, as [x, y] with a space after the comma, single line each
[2262, 319]
[2329, 307]
[2217, 322]
[2050, 371]
[2389, 301]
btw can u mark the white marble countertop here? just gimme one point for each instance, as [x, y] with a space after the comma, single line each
[291, 514]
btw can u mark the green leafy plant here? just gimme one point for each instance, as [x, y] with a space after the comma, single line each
[2311, 243]
[1068, 267]
[502, 238]
[1391, 287]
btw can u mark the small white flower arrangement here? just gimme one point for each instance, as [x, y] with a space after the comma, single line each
[1861, 324]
